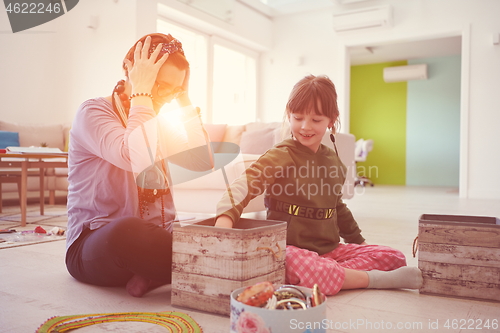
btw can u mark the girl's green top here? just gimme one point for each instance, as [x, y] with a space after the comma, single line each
[302, 188]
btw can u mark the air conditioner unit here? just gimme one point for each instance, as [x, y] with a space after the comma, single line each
[405, 73]
[372, 17]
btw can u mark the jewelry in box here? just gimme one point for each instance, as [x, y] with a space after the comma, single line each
[285, 297]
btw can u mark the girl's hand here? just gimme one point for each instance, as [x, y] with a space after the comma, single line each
[224, 221]
[143, 71]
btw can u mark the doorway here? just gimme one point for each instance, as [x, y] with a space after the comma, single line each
[422, 47]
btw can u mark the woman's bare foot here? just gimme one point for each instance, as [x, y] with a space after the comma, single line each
[137, 286]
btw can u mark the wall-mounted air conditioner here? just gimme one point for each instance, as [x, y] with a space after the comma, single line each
[372, 17]
[405, 73]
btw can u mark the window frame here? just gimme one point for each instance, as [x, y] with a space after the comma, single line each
[211, 41]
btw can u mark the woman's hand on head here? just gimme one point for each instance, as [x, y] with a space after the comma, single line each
[183, 97]
[224, 221]
[143, 71]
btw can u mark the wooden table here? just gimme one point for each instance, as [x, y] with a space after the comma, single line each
[25, 161]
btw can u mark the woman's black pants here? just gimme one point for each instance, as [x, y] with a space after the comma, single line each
[112, 254]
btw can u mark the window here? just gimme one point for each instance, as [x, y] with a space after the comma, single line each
[234, 86]
[195, 48]
[223, 76]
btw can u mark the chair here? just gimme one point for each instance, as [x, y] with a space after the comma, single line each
[363, 147]
[14, 176]
[9, 178]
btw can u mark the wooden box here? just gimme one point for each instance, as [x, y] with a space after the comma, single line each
[460, 256]
[209, 263]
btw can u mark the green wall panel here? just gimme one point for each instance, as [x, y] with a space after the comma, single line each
[378, 112]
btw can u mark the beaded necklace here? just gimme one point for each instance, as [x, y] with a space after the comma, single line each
[152, 183]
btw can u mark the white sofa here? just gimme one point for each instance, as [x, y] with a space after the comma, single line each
[199, 195]
[202, 194]
[55, 136]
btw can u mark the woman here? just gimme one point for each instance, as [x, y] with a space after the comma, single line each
[120, 208]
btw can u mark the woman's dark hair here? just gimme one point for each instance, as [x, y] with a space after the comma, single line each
[176, 58]
[314, 93]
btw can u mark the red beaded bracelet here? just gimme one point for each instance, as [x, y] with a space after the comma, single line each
[140, 94]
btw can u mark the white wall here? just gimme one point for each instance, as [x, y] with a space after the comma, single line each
[303, 44]
[310, 36]
[47, 71]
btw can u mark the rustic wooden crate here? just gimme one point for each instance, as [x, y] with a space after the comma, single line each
[209, 263]
[460, 256]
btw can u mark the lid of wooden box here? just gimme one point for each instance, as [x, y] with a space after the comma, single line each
[243, 225]
[462, 220]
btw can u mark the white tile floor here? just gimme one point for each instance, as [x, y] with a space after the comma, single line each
[34, 283]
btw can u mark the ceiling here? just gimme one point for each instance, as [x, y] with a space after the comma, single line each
[285, 7]
[370, 54]
[438, 47]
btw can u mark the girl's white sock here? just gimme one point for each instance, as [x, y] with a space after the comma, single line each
[403, 277]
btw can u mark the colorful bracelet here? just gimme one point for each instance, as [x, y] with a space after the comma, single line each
[140, 94]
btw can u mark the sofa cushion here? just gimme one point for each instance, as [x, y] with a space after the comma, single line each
[281, 130]
[36, 135]
[216, 134]
[233, 134]
[255, 126]
[8, 139]
[257, 142]
[284, 132]
[215, 131]
[215, 180]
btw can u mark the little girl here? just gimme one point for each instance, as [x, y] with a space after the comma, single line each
[302, 180]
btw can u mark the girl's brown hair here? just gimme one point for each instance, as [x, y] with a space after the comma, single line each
[314, 93]
[177, 58]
